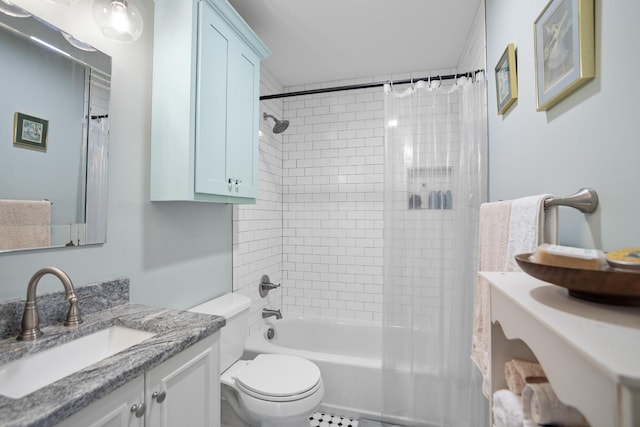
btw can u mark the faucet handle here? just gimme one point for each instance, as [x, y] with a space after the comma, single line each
[266, 285]
[30, 323]
[73, 316]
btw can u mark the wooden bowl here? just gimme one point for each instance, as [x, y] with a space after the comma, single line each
[607, 285]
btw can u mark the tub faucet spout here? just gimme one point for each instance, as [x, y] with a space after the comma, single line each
[266, 312]
[30, 321]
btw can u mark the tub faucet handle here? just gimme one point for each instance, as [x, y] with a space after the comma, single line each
[266, 286]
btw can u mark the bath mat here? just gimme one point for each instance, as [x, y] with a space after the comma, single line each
[327, 420]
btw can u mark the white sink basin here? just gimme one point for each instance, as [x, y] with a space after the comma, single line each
[32, 372]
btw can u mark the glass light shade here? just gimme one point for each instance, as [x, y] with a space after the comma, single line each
[119, 20]
[8, 8]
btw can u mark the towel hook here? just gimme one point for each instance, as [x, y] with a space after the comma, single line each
[585, 200]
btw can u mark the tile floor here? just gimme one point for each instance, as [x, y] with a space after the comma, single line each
[326, 420]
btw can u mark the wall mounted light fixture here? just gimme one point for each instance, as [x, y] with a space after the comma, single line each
[119, 20]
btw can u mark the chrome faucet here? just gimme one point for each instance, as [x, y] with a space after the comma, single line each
[266, 312]
[30, 322]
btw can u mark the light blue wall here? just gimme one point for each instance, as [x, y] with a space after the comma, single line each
[175, 254]
[591, 139]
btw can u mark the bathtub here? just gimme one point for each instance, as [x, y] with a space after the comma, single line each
[348, 353]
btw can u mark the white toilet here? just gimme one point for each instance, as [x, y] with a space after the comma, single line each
[272, 390]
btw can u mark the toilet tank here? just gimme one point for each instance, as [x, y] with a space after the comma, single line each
[235, 309]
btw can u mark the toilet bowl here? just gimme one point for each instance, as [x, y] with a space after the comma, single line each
[272, 390]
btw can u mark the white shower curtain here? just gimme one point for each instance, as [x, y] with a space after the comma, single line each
[97, 159]
[96, 208]
[435, 143]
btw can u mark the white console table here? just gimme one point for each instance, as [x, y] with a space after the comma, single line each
[590, 352]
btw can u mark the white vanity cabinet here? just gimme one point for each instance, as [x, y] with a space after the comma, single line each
[590, 352]
[183, 390]
[112, 410]
[205, 103]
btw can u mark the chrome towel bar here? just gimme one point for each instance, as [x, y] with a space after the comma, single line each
[585, 200]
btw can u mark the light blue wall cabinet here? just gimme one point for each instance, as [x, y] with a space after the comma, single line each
[206, 86]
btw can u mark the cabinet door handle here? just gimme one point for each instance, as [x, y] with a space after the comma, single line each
[238, 182]
[138, 410]
[159, 397]
[230, 182]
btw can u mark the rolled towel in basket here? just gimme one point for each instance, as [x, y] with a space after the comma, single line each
[541, 405]
[507, 409]
[517, 371]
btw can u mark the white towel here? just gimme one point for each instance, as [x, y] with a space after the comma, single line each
[492, 246]
[540, 405]
[507, 409]
[24, 224]
[530, 225]
[506, 229]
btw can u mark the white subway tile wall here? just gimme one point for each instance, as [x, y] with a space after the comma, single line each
[332, 200]
[257, 229]
[333, 174]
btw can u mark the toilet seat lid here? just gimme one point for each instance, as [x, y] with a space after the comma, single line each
[279, 377]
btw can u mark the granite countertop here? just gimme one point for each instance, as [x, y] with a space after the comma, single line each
[175, 331]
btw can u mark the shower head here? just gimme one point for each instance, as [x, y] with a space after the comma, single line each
[280, 126]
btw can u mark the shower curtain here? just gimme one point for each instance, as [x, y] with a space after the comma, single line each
[435, 144]
[97, 181]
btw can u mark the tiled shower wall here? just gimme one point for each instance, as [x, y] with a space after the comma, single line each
[257, 229]
[332, 202]
[333, 175]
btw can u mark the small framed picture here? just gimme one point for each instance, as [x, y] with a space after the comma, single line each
[30, 132]
[564, 49]
[506, 79]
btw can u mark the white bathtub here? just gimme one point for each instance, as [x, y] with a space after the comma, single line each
[347, 352]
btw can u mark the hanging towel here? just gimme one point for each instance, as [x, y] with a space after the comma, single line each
[516, 372]
[530, 225]
[25, 224]
[540, 405]
[492, 247]
[507, 409]
[506, 228]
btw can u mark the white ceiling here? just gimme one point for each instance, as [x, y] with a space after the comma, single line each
[314, 41]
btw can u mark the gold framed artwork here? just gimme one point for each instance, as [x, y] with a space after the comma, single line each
[30, 131]
[506, 79]
[564, 49]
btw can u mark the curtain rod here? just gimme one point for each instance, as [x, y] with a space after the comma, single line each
[366, 85]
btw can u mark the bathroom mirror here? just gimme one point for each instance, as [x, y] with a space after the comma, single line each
[54, 121]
